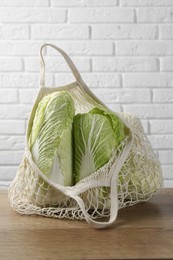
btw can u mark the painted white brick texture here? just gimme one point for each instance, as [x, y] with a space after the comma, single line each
[155, 15]
[124, 31]
[144, 48]
[10, 157]
[101, 15]
[123, 49]
[125, 64]
[166, 32]
[10, 64]
[14, 32]
[161, 126]
[12, 127]
[167, 64]
[78, 3]
[56, 32]
[32, 15]
[9, 142]
[21, 3]
[140, 3]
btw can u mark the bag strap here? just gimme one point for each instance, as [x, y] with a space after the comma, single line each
[71, 66]
[67, 59]
[114, 171]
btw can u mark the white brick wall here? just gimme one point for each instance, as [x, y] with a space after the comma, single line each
[123, 48]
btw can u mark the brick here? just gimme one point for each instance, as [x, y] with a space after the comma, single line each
[12, 127]
[145, 126]
[123, 64]
[12, 142]
[8, 96]
[10, 157]
[102, 80]
[94, 80]
[77, 3]
[64, 31]
[32, 15]
[155, 15]
[57, 64]
[167, 64]
[85, 48]
[167, 171]
[166, 157]
[163, 95]
[161, 141]
[100, 3]
[27, 96]
[166, 32]
[105, 95]
[101, 15]
[18, 80]
[137, 3]
[24, 80]
[144, 48]
[7, 173]
[148, 80]
[14, 111]
[10, 64]
[124, 31]
[168, 183]
[161, 126]
[18, 48]
[21, 3]
[63, 79]
[4, 184]
[112, 95]
[14, 32]
[150, 111]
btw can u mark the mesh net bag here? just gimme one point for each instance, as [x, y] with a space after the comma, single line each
[132, 175]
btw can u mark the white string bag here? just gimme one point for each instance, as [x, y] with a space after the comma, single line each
[132, 175]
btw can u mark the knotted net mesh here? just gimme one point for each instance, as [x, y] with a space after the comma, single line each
[138, 180]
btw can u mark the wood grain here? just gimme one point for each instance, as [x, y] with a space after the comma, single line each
[144, 231]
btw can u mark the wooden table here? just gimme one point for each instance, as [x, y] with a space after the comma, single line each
[144, 231]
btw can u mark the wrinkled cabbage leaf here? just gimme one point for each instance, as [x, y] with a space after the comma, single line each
[97, 135]
[51, 137]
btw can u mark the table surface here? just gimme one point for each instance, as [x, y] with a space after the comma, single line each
[144, 231]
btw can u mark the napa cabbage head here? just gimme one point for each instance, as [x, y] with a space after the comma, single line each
[51, 137]
[97, 134]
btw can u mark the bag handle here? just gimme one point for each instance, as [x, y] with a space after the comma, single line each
[67, 59]
[114, 171]
[113, 210]
[71, 66]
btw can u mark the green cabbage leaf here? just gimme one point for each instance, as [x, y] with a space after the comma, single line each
[97, 134]
[51, 137]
